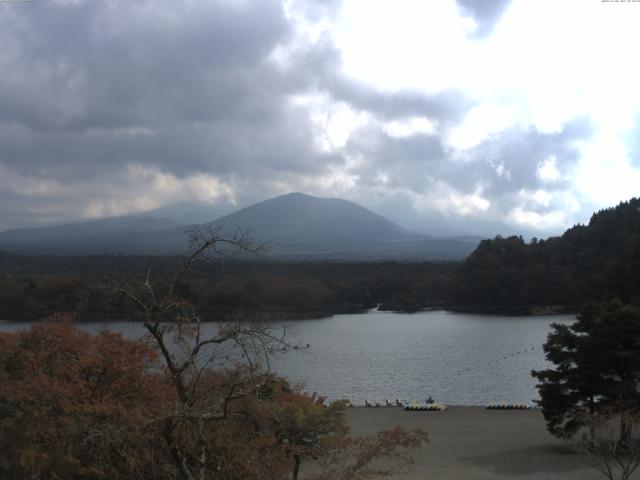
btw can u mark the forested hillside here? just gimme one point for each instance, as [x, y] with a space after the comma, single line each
[587, 262]
[32, 287]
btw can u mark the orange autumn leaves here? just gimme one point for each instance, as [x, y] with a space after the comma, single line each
[73, 405]
[80, 406]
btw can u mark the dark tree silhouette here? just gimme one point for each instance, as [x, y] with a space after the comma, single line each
[588, 262]
[597, 367]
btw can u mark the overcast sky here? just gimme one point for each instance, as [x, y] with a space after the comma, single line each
[524, 113]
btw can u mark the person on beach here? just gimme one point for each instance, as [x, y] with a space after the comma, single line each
[429, 400]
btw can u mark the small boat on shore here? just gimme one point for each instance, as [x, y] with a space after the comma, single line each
[427, 407]
[508, 406]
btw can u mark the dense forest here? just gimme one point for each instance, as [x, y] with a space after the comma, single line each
[588, 262]
[32, 287]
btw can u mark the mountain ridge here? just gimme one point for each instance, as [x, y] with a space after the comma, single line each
[295, 225]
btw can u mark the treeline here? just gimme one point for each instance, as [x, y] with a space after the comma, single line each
[34, 287]
[588, 262]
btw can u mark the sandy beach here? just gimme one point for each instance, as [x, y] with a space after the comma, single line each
[475, 443]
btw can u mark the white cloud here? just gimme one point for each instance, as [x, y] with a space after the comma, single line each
[444, 198]
[605, 174]
[403, 44]
[479, 124]
[547, 170]
[540, 197]
[409, 127]
[544, 209]
[338, 181]
[536, 220]
[29, 185]
[545, 63]
[332, 122]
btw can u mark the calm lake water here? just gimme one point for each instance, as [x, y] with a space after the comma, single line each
[459, 359]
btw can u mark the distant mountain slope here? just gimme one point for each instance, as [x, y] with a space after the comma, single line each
[90, 235]
[295, 225]
[124, 224]
[187, 213]
[588, 262]
[296, 215]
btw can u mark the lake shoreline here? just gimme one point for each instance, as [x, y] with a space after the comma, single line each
[513, 310]
[278, 316]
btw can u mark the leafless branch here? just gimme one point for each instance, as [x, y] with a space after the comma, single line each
[612, 444]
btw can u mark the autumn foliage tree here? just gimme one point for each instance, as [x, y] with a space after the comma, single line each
[302, 421]
[73, 405]
[80, 406]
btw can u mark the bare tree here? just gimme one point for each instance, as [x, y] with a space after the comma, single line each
[612, 443]
[192, 352]
[220, 378]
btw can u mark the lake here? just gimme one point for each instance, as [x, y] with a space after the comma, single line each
[456, 358]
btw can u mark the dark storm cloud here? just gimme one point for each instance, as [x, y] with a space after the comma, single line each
[406, 162]
[485, 12]
[111, 63]
[446, 107]
[182, 87]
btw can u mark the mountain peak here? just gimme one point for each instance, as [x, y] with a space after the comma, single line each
[304, 216]
[294, 195]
